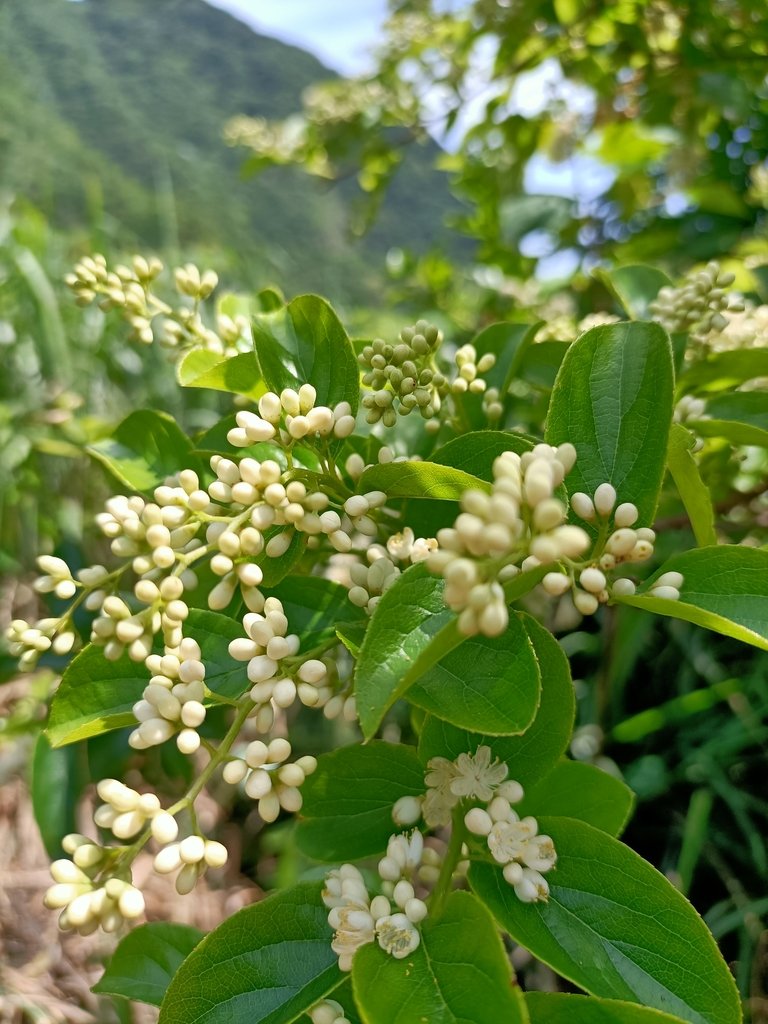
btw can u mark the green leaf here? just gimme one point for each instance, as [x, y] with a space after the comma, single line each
[613, 401]
[144, 449]
[418, 480]
[94, 696]
[239, 375]
[616, 927]
[693, 492]
[214, 632]
[304, 342]
[741, 418]
[476, 451]
[635, 287]
[584, 792]
[559, 1008]
[347, 809]
[276, 569]
[264, 965]
[314, 607]
[56, 785]
[724, 370]
[146, 960]
[351, 635]
[458, 974]
[533, 754]
[406, 620]
[489, 685]
[725, 589]
[542, 362]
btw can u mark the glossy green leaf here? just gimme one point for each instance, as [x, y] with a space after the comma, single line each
[305, 342]
[725, 589]
[533, 754]
[56, 783]
[347, 809]
[146, 960]
[264, 965]
[144, 449]
[459, 974]
[724, 370]
[94, 696]
[238, 375]
[582, 791]
[489, 685]
[476, 451]
[616, 927]
[740, 417]
[635, 287]
[693, 492]
[613, 401]
[559, 1008]
[419, 480]
[351, 635]
[406, 621]
[314, 607]
[214, 632]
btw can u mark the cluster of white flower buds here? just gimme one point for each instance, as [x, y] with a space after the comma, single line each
[402, 377]
[291, 416]
[87, 901]
[370, 582]
[129, 290]
[520, 524]
[172, 703]
[328, 1012]
[190, 859]
[27, 641]
[493, 407]
[622, 545]
[125, 811]
[667, 586]
[514, 842]
[269, 777]
[357, 919]
[469, 368]
[699, 306]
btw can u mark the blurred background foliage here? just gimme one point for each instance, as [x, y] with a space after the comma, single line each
[495, 162]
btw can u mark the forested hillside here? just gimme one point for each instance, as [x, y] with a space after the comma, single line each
[115, 109]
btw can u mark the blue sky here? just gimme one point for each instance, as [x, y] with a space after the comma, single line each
[338, 32]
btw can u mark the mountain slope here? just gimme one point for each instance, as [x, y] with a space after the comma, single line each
[114, 109]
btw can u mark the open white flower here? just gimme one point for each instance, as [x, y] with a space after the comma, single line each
[478, 776]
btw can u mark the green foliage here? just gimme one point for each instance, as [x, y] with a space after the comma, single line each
[94, 696]
[146, 960]
[348, 801]
[725, 590]
[459, 972]
[144, 449]
[305, 341]
[266, 963]
[614, 925]
[613, 400]
[584, 792]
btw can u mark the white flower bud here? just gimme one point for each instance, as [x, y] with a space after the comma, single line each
[192, 849]
[626, 514]
[605, 499]
[623, 587]
[406, 810]
[478, 821]
[583, 506]
[585, 603]
[592, 580]
[188, 741]
[668, 593]
[556, 583]
[669, 579]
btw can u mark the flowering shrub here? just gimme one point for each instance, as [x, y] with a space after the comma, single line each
[325, 552]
